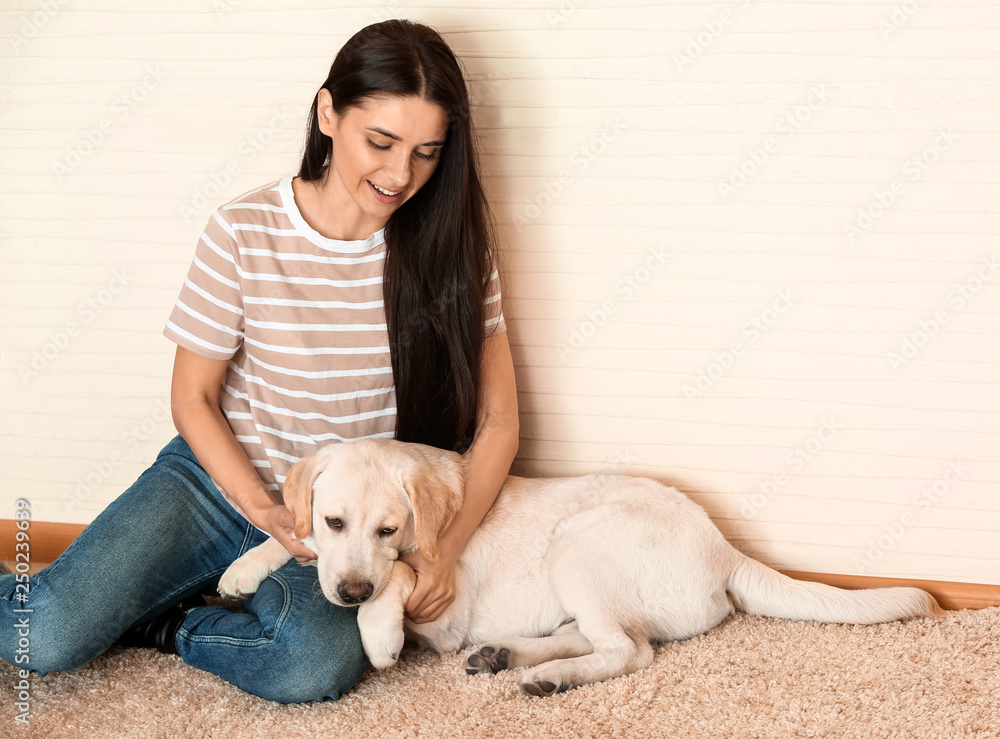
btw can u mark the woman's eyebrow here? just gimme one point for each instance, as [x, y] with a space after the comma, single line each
[394, 137]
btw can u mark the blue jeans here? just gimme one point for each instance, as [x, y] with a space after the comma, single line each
[169, 536]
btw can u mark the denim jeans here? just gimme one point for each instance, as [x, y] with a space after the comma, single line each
[169, 536]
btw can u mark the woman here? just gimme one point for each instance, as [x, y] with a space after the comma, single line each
[356, 299]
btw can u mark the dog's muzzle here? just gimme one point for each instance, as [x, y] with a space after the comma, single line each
[353, 592]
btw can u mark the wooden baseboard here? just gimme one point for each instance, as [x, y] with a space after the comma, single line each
[48, 540]
[952, 596]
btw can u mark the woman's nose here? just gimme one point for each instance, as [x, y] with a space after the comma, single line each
[398, 170]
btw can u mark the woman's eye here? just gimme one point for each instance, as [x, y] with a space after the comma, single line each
[425, 157]
[334, 523]
[388, 531]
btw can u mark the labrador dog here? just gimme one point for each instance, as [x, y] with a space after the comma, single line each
[572, 577]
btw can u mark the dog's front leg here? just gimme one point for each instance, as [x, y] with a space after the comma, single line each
[380, 620]
[246, 574]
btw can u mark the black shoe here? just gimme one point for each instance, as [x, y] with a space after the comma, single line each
[160, 633]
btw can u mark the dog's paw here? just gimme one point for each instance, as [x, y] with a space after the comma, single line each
[383, 647]
[242, 578]
[535, 683]
[487, 659]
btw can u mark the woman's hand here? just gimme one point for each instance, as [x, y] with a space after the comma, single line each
[487, 463]
[435, 588]
[279, 522]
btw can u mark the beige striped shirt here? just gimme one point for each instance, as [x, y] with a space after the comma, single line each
[300, 318]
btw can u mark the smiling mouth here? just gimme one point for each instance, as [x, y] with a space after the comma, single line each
[387, 193]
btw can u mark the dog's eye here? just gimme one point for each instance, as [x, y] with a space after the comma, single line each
[388, 531]
[334, 523]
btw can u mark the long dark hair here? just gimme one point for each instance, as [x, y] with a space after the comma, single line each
[439, 244]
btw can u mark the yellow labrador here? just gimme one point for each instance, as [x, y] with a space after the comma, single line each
[572, 577]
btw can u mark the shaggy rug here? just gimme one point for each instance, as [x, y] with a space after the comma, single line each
[748, 677]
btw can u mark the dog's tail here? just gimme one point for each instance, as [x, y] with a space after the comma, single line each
[760, 591]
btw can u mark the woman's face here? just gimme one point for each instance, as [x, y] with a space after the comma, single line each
[384, 150]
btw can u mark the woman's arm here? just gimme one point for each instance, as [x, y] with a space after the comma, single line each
[194, 404]
[487, 464]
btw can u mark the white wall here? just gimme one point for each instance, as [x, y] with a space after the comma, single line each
[635, 278]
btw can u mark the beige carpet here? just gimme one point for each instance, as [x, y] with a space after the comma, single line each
[750, 677]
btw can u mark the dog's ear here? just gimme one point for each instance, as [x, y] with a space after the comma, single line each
[435, 487]
[298, 491]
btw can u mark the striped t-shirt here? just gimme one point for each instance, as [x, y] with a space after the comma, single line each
[300, 318]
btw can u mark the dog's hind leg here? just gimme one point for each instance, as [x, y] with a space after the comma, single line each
[605, 595]
[564, 642]
[615, 652]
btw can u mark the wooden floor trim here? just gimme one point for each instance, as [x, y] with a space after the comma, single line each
[48, 540]
[952, 596]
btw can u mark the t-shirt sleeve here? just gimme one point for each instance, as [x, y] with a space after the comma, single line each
[208, 315]
[493, 309]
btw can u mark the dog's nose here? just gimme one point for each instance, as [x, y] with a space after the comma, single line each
[354, 591]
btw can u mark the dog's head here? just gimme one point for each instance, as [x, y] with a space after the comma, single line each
[367, 501]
